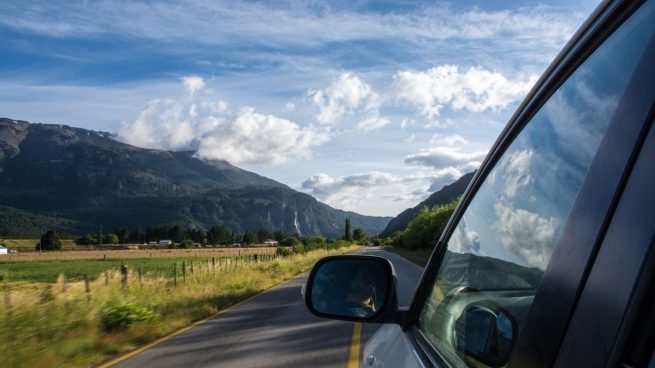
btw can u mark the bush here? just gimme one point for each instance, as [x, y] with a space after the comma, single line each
[49, 241]
[424, 230]
[290, 242]
[187, 244]
[314, 242]
[284, 251]
[121, 316]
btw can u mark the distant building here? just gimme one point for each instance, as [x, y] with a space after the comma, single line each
[3, 250]
[165, 242]
[270, 242]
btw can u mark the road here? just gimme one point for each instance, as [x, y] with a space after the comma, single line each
[273, 329]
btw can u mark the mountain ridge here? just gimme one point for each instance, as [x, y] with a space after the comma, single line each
[56, 175]
[447, 194]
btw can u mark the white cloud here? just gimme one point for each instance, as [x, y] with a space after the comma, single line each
[193, 83]
[526, 234]
[258, 138]
[516, 171]
[346, 96]
[464, 240]
[445, 157]
[476, 90]
[204, 125]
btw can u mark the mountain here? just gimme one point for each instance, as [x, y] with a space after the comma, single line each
[445, 195]
[72, 180]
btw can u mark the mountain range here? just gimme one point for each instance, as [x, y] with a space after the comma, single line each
[447, 194]
[73, 180]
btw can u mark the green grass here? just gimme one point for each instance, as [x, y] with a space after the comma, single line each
[48, 271]
[47, 325]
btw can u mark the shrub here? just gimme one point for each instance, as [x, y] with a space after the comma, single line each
[49, 241]
[424, 230]
[290, 242]
[314, 242]
[284, 251]
[121, 316]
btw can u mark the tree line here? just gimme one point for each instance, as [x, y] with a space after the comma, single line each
[189, 236]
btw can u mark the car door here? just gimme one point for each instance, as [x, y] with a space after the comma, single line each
[508, 272]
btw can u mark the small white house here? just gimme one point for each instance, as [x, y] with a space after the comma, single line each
[270, 242]
[3, 250]
[165, 242]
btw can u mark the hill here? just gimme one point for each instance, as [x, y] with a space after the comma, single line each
[445, 195]
[72, 179]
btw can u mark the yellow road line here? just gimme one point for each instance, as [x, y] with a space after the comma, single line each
[353, 357]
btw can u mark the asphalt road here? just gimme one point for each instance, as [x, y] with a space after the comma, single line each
[273, 329]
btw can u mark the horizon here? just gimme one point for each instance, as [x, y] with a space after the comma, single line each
[368, 107]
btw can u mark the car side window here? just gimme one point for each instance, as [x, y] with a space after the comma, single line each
[497, 254]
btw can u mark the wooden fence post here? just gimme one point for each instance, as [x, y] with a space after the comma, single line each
[174, 274]
[141, 276]
[183, 272]
[106, 278]
[124, 276]
[214, 264]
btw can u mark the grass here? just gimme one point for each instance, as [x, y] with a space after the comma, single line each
[419, 257]
[76, 269]
[60, 324]
[30, 244]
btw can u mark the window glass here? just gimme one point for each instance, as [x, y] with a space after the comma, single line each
[497, 255]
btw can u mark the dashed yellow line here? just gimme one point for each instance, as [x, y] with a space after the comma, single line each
[353, 357]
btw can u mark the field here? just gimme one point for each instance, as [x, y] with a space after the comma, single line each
[75, 265]
[69, 323]
[30, 244]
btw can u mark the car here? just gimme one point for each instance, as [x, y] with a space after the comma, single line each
[548, 260]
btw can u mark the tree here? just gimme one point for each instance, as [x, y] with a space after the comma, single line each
[219, 234]
[123, 235]
[111, 239]
[346, 235]
[49, 241]
[99, 238]
[359, 235]
[278, 235]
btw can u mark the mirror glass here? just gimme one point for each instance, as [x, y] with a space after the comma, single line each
[486, 335]
[354, 288]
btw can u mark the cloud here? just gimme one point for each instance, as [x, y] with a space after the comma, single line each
[446, 157]
[348, 95]
[258, 138]
[476, 90]
[526, 234]
[193, 83]
[205, 125]
[464, 240]
[516, 171]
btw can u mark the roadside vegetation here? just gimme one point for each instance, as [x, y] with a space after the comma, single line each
[420, 236]
[73, 321]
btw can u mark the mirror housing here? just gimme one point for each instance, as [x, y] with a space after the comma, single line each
[352, 288]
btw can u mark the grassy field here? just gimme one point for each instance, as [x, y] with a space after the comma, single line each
[132, 254]
[153, 263]
[30, 244]
[66, 324]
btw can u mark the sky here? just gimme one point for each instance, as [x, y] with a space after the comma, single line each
[367, 106]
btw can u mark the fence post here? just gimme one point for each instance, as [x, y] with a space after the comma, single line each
[87, 287]
[183, 272]
[175, 274]
[124, 276]
[63, 283]
[191, 266]
[214, 264]
[106, 278]
[141, 276]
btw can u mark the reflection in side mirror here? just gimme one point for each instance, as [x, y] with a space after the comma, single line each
[486, 335]
[349, 287]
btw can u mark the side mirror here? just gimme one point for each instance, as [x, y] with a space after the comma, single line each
[352, 288]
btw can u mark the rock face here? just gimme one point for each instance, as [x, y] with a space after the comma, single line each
[445, 195]
[71, 179]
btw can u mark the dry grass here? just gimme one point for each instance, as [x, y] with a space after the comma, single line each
[30, 244]
[137, 253]
[60, 324]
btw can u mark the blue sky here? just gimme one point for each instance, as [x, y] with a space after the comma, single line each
[368, 106]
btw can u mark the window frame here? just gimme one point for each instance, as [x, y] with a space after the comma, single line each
[589, 216]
